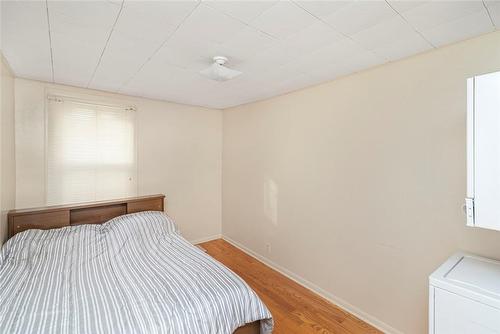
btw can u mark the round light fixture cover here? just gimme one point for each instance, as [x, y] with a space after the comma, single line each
[218, 72]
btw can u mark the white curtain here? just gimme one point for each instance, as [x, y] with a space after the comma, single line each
[91, 152]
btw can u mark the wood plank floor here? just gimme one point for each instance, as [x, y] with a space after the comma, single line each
[295, 309]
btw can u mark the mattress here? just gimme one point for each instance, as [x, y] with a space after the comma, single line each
[132, 274]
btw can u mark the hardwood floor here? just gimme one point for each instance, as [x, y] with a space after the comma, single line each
[295, 309]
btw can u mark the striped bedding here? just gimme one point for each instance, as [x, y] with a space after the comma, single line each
[132, 274]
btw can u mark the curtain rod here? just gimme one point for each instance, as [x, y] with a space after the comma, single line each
[56, 98]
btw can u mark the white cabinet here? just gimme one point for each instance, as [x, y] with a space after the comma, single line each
[483, 151]
[464, 296]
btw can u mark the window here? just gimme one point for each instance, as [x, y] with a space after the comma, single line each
[90, 151]
[483, 151]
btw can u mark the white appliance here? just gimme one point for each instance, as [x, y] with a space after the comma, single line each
[464, 296]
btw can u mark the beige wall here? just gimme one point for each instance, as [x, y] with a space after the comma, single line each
[178, 154]
[7, 156]
[358, 184]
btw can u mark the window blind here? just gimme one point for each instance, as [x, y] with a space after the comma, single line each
[91, 153]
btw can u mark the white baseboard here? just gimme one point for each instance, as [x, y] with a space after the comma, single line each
[200, 240]
[316, 289]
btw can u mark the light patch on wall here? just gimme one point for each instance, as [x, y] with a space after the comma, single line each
[271, 201]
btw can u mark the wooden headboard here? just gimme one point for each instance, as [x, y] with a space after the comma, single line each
[83, 213]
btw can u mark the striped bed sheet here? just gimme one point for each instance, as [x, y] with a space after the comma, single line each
[132, 274]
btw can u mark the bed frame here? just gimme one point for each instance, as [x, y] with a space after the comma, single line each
[50, 217]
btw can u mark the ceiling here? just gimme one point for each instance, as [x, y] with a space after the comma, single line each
[156, 49]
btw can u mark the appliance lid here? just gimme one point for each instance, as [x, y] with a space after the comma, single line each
[471, 276]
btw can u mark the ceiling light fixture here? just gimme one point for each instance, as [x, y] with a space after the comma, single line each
[218, 72]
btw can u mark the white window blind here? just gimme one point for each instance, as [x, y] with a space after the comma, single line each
[90, 152]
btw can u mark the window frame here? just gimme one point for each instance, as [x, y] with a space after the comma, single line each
[90, 100]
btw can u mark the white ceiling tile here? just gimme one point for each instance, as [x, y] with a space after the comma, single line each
[465, 27]
[404, 47]
[163, 81]
[154, 81]
[322, 8]
[206, 24]
[355, 63]
[361, 61]
[15, 15]
[121, 60]
[329, 73]
[98, 14]
[289, 82]
[303, 81]
[85, 33]
[494, 9]
[284, 72]
[28, 64]
[383, 33]
[278, 55]
[187, 53]
[243, 45]
[312, 38]
[26, 46]
[283, 19]
[359, 15]
[74, 60]
[152, 20]
[435, 13]
[402, 5]
[332, 54]
[335, 58]
[79, 32]
[199, 38]
[245, 11]
[392, 39]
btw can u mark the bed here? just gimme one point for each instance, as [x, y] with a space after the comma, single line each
[117, 267]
